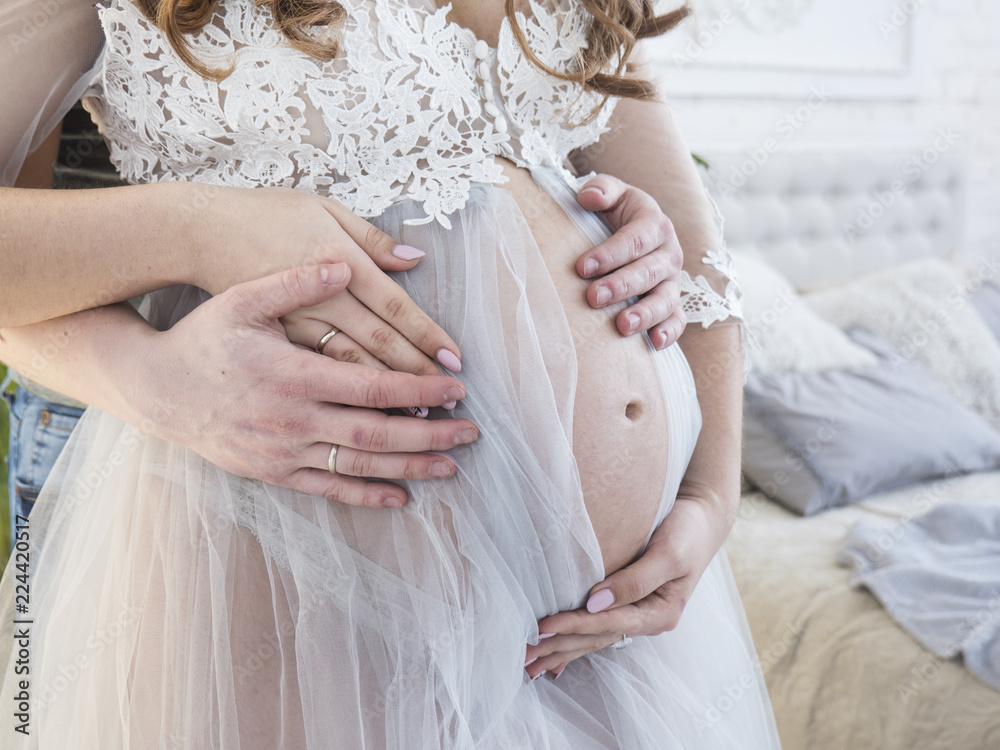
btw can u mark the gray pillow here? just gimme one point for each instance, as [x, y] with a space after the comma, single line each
[986, 302]
[815, 440]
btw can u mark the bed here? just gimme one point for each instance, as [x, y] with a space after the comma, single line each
[840, 671]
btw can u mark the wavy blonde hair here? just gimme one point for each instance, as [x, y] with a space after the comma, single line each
[617, 26]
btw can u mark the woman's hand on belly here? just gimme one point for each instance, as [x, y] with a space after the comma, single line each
[245, 234]
[642, 257]
[645, 598]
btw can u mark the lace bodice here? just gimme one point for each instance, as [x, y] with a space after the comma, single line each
[415, 106]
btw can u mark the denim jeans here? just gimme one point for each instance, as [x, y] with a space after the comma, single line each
[38, 431]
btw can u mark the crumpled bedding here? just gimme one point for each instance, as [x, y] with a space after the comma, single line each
[938, 575]
[840, 671]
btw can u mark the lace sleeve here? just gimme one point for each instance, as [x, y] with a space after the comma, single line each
[47, 48]
[714, 297]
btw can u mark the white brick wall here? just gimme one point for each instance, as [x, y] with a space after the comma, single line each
[960, 90]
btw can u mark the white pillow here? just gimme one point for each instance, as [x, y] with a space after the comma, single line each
[791, 337]
[921, 309]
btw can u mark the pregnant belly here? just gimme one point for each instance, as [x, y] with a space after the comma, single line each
[619, 421]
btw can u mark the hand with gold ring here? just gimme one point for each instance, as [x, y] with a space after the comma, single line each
[258, 406]
[420, 412]
[376, 320]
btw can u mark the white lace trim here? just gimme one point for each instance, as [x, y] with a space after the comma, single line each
[398, 114]
[703, 304]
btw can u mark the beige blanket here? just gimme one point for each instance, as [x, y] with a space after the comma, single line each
[841, 672]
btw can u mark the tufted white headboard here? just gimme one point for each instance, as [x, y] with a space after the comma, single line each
[826, 214]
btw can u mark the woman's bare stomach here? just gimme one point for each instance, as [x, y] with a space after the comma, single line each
[619, 417]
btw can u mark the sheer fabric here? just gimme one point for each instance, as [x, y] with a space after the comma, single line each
[46, 49]
[176, 605]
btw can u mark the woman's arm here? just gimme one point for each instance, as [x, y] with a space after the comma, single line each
[63, 251]
[66, 251]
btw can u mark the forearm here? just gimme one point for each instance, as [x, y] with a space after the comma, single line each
[713, 476]
[62, 251]
[89, 356]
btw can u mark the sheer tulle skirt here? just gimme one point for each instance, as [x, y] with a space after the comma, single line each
[174, 605]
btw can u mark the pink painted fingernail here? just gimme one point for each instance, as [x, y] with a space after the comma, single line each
[449, 405]
[530, 661]
[633, 322]
[603, 295]
[420, 412]
[600, 601]
[448, 359]
[544, 671]
[557, 674]
[545, 635]
[590, 267]
[405, 252]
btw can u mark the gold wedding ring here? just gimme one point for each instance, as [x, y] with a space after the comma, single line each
[326, 339]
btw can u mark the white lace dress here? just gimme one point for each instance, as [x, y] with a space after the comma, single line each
[174, 605]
